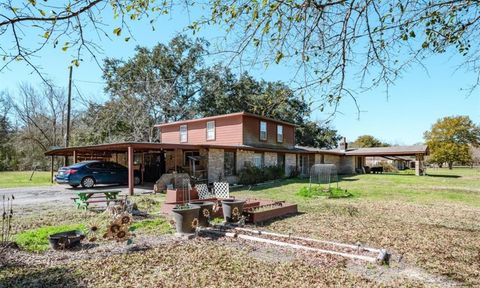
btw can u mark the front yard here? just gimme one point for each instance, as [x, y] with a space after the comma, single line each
[10, 179]
[429, 224]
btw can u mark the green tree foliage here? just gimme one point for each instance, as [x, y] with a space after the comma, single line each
[450, 139]
[332, 41]
[366, 141]
[221, 93]
[314, 134]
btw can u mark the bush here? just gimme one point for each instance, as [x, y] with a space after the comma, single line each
[252, 175]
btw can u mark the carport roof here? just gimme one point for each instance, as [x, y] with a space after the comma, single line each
[116, 147]
[389, 151]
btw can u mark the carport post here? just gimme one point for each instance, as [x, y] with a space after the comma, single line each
[130, 171]
[74, 156]
[51, 170]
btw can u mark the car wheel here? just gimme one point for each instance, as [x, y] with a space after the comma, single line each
[88, 182]
[136, 180]
[74, 185]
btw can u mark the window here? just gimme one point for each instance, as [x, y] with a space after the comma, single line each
[258, 160]
[183, 133]
[211, 130]
[229, 163]
[187, 160]
[263, 130]
[279, 133]
[281, 160]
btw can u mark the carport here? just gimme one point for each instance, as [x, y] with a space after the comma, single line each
[418, 151]
[105, 151]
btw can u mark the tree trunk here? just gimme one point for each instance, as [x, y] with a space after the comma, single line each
[450, 165]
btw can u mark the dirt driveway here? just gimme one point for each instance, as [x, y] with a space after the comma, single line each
[27, 198]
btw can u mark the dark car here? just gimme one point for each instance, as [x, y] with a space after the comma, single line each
[90, 173]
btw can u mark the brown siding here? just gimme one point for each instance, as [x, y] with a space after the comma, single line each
[228, 131]
[251, 133]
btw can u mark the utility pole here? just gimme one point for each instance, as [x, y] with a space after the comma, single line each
[69, 107]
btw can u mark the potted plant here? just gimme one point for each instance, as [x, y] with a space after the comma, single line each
[232, 209]
[206, 210]
[186, 218]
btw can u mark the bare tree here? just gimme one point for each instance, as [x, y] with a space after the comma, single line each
[41, 121]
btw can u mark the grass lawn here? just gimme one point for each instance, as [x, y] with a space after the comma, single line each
[429, 224]
[10, 179]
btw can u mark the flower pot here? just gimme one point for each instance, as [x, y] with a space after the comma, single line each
[206, 210]
[186, 219]
[65, 240]
[232, 209]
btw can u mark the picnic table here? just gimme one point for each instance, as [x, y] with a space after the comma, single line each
[84, 198]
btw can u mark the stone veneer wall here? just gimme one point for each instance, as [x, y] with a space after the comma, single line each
[333, 159]
[215, 165]
[243, 156]
[270, 159]
[347, 165]
[290, 163]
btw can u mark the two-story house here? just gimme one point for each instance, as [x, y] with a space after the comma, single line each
[228, 142]
[218, 147]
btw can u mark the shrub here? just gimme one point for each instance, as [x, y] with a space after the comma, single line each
[250, 174]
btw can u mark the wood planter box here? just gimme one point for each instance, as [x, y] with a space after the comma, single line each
[275, 212]
[176, 195]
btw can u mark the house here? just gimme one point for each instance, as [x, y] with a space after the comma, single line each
[218, 147]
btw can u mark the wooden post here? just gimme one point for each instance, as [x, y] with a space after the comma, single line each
[51, 170]
[131, 180]
[175, 164]
[143, 165]
[74, 156]
[419, 170]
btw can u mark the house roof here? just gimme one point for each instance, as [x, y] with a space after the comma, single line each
[224, 116]
[320, 150]
[388, 151]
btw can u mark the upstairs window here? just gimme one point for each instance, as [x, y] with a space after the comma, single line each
[183, 133]
[263, 131]
[279, 133]
[211, 130]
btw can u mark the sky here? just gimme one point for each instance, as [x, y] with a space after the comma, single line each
[413, 104]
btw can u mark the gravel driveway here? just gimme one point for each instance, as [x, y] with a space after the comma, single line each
[55, 195]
